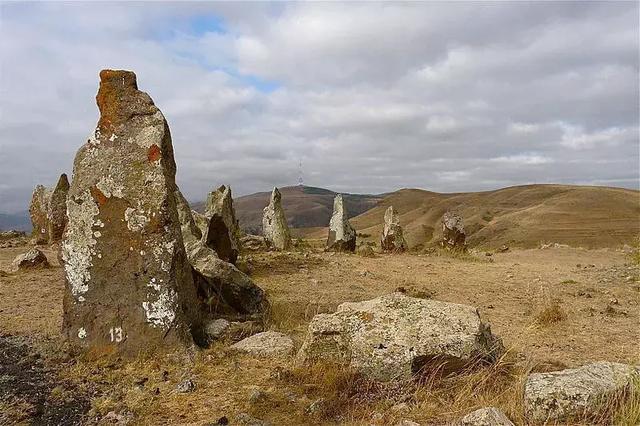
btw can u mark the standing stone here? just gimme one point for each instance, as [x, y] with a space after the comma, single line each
[342, 236]
[48, 211]
[128, 282]
[453, 235]
[392, 239]
[222, 232]
[274, 224]
[38, 213]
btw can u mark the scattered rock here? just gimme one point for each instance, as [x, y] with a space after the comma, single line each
[34, 258]
[488, 416]
[266, 344]
[186, 386]
[118, 418]
[247, 420]
[274, 224]
[395, 336]
[128, 282]
[365, 250]
[392, 239]
[550, 397]
[216, 329]
[257, 396]
[342, 236]
[253, 243]
[503, 249]
[316, 407]
[453, 235]
[222, 232]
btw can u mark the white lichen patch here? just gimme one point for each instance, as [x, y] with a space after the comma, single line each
[136, 221]
[161, 312]
[152, 134]
[163, 253]
[113, 137]
[155, 284]
[82, 333]
[78, 246]
[109, 187]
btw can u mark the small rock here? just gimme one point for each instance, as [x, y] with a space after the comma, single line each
[247, 420]
[315, 407]
[365, 250]
[488, 416]
[223, 421]
[503, 248]
[216, 329]
[34, 258]
[266, 344]
[257, 396]
[186, 386]
[117, 418]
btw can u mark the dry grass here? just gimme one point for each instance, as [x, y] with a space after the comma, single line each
[550, 314]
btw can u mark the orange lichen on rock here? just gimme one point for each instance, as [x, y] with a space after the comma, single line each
[154, 153]
[116, 89]
[97, 195]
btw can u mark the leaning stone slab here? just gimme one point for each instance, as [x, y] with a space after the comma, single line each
[128, 282]
[488, 416]
[394, 336]
[560, 395]
[34, 258]
[266, 344]
[222, 232]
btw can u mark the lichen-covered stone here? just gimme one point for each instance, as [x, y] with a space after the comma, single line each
[48, 211]
[34, 258]
[453, 235]
[559, 395]
[488, 416]
[342, 236]
[38, 213]
[266, 344]
[392, 239]
[222, 232]
[394, 336]
[128, 281]
[274, 224]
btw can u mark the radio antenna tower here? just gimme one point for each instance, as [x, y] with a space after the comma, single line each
[300, 181]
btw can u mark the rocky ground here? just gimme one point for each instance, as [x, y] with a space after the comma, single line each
[554, 308]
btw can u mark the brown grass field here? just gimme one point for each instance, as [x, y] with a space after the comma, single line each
[554, 308]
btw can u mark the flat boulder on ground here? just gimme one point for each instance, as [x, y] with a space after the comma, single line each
[222, 232]
[266, 344]
[453, 235]
[34, 258]
[128, 282]
[577, 392]
[274, 224]
[395, 336]
[392, 239]
[342, 236]
[488, 416]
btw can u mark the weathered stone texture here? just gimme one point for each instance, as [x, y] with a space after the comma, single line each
[48, 211]
[34, 258]
[342, 236]
[488, 416]
[38, 213]
[266, 344]
[394, 336]
[129, 283]
[453, 235]
[392, 239]
[274, 224]
[222, 232]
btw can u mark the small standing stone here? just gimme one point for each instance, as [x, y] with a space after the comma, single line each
[342, 236]
[48, 211]
[453, 235]
[222, 232]
[392, 239]
[274, 224]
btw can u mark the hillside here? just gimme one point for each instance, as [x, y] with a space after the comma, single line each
[18, 221]
[304, 206]
[522, 216]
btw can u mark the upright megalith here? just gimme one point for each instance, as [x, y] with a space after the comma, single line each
[453, 235]
[342, 236]
[392, 239]
[274, 224]
[128, 282]
[222, 232]
[48, 211]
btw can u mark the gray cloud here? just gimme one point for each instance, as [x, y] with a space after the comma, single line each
[371, 97]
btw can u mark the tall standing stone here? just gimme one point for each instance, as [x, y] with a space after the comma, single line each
[453, 235]
[48, 211]
[274, 224]
[128, 282]
[342, 236]
[392, 239]
[222, 232]
[38, 213]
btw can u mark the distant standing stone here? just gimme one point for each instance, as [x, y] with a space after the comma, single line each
[48, 211]
[392, 239]
[274, 223]
[453, 235]
[222, 232]
[34, 258]
[342, 236]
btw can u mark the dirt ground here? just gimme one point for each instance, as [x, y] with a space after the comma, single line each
[597, 290]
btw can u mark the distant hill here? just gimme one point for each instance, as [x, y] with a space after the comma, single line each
[304, 206]
[522, 216]
[18, 221]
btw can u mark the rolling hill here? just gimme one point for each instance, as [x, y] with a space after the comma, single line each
[520, 216]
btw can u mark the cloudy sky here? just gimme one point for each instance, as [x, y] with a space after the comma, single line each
[370, 97]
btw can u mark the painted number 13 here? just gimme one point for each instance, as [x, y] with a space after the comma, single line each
[116, 334]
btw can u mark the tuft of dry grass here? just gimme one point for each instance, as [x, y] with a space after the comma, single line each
[551, 314]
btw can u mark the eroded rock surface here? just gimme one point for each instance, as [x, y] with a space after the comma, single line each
[34, 258]
[274, 224]
[488, 416]
[48, 211]
[128, 281]
[453, 235]
[392, 239]
[222, 232]
[266, 344]
[395, 336]
[342, 236]
[559, 395]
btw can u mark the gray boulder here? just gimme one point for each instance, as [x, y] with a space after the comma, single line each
[453, 235]
[266, 344]
[392, 239]
[559, 395]
[222, 232]
[488, 416]
[342, 236]
[274, 224]
[34, 258]
[395, 336]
